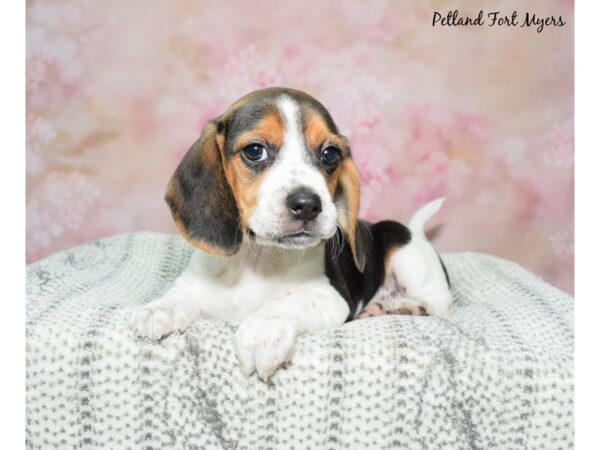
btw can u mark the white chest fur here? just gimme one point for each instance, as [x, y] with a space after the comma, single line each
[234, 287]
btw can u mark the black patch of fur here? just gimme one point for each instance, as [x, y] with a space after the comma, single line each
[243, 119]
[375, 241]
[202, 200]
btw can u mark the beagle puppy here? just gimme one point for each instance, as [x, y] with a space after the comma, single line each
[269, 197]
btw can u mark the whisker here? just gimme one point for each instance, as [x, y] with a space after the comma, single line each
[301, 257]
[284, 254]
[370, 233]
[340, 237]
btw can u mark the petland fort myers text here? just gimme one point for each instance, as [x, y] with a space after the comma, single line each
[498, 19]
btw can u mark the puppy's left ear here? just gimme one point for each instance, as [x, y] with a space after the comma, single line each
[201, 200]
[348, 199]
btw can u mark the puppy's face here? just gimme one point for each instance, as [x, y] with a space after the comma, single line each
[283, 158]
[274, 169]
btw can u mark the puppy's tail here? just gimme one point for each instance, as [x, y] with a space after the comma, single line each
[420, 218]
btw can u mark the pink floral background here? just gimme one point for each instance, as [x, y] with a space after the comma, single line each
[118, 90]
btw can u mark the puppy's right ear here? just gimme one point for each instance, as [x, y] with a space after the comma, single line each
[348, 197]
[201, 200]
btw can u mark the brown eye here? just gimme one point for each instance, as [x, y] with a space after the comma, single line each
[254, 153]
[330, 157]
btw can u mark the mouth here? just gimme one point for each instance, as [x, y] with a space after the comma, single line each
[297, 234]
[296, 240]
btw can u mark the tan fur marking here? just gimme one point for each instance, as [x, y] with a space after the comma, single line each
[220, 139]
[332, 182]
[316, 132]
[350, 182]
[269, 130]
[244, 184]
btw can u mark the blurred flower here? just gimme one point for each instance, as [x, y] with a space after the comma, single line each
[247, 71]
[558, 149]
[356, 99]
[563, 244]
[62, 205]
[41, 132]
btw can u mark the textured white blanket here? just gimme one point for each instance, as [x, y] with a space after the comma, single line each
[496, 374]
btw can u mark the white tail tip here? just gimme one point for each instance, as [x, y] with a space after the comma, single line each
[423, 214]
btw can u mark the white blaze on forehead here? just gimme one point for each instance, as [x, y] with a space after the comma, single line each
[293, 140]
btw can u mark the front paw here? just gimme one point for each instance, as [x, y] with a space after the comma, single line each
[154, 322]
[263, 343]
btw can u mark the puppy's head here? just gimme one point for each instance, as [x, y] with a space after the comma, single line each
[274, 169]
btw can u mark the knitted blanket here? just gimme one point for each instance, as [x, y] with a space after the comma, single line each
[497, 373]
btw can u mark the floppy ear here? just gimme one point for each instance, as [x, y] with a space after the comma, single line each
[200, 199]
[348, 198]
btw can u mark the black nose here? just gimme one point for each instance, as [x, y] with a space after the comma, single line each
[304, 205]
